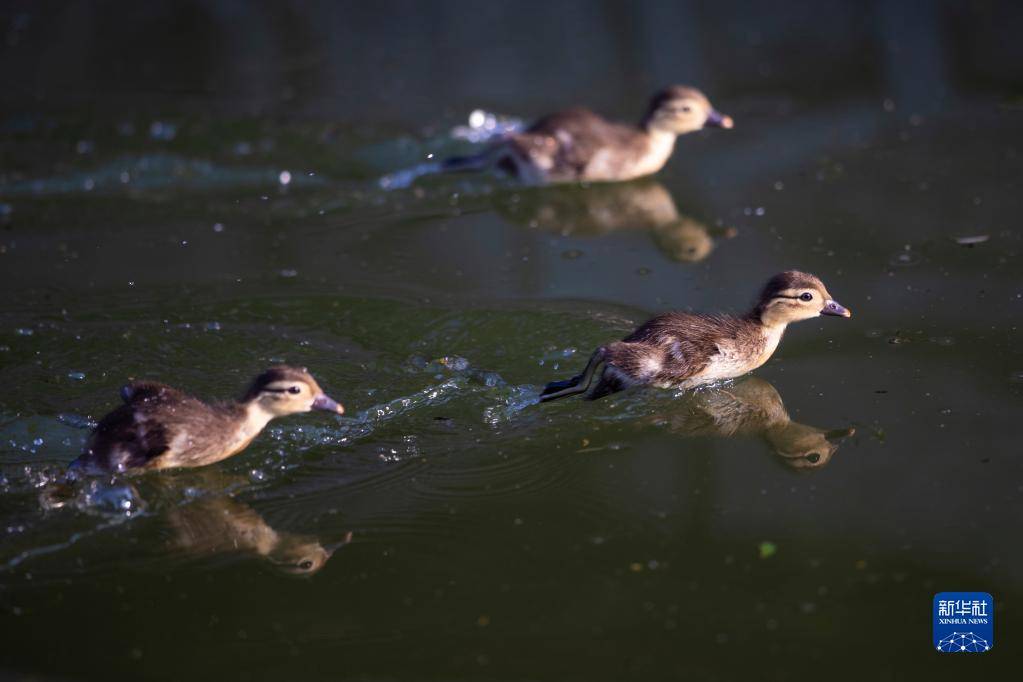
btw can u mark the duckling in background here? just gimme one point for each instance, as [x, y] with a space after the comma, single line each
[643, 205]
[685, 350]
[752, 407]
[223, 524]
[159, 427]
[577, 145]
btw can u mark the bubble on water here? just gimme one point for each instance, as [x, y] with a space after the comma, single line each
[162, 130]
[213, 326]
[477, 118]
[85, 146]
[943, 340]
[218, 227]
[257, 475]
[243, 148]
[76, 376]
[284, 178]
[89, 184]
[906, 257]
[125, 177]
[37, 441]
[289, 273]
[24, 331]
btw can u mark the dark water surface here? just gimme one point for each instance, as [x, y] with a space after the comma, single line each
[793, 523]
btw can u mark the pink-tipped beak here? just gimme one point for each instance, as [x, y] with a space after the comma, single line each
[326, 403]
[715, 119]
[835, 308]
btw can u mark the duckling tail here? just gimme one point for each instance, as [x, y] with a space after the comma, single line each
[577, 384]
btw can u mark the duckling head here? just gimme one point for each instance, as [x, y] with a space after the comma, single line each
[284, 390]
[802, 447]
[301, 555]
[680, 109]
[793, 296]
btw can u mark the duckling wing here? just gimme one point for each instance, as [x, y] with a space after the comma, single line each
[688, 340]
[125, 439]
[142, 429]
[148, 392]
[575, 138]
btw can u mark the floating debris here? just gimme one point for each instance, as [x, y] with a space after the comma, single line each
[767, 549]
[972, 240]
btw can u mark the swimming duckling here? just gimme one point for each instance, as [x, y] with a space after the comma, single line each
[578, 145]
[685, 350]
[159, 427]
[752, 407]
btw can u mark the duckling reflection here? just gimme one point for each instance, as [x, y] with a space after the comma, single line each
[224, 524]
[600, 209]
[752, 407]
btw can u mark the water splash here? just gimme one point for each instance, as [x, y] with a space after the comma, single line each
[514, 400]
[482, 127]
[403, 178]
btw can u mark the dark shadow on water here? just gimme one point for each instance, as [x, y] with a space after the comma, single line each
[601, 209]
[751, 407]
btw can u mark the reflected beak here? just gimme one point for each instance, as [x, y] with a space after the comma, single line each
[328, 404]
[835, 308]
[339, 544]
[715, 119]
[835, 436]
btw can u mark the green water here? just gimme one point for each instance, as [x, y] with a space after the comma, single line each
[791, 524]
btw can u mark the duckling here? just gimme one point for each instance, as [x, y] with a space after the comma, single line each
[159, 427]
[752, 407]
[577, 145]
[224, 524]
[685, 350]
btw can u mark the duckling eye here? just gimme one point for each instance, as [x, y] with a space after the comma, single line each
[686, 109]
[806, 296]
[813, 458]
[305, 565]
[294, 390]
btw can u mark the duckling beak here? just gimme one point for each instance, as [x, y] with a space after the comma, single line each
[835, 308]
[328, 404]
[715, 119]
